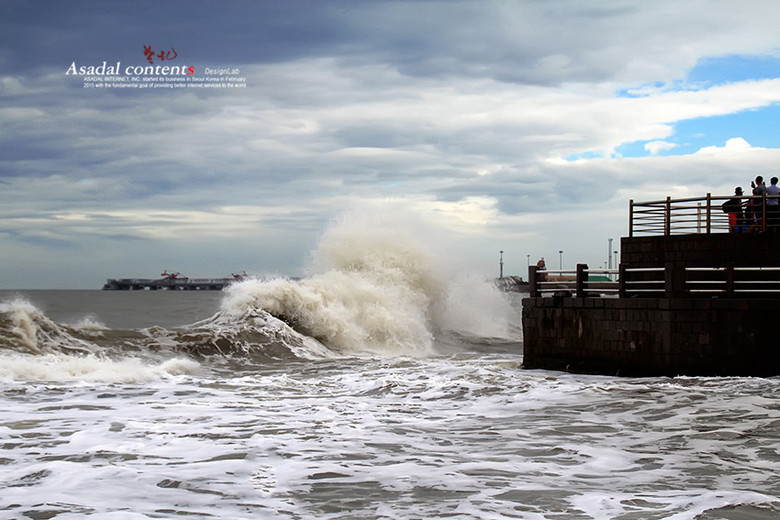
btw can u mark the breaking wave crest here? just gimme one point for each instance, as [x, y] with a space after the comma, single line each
[24, 328]
[36, 348]
[377, 286]
[91, 368]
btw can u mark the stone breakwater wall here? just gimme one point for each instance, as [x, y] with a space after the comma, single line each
[653, 336]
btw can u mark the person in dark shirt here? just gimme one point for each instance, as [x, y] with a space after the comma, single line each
[733, 207]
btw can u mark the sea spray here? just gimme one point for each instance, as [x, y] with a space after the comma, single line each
[472, 306]
[345, 311]
[23, 327]
[377, 284]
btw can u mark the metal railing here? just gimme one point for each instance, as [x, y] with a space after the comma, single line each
[676, 280]
[673, 280]
[543, 282]
[696, 215]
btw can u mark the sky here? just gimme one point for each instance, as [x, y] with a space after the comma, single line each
[516, 126]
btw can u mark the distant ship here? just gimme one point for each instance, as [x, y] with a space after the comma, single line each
[172, 282]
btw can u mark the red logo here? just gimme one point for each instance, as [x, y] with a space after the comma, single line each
[162, 55]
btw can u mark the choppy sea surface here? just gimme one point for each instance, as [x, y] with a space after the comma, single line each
[373, 388]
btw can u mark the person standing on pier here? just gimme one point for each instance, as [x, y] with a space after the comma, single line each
[756, 207]
[772, 205]
[541, 266]
[736, 214]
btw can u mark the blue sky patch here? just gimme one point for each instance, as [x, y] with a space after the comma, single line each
[590, 154]
[710, 72]
[732, 69]
[757, 127]
[638, 91]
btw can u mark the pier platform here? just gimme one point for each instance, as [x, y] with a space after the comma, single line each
[702, 302]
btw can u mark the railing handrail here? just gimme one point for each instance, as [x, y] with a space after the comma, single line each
[673, 281]
[703, 199]
[691, 215]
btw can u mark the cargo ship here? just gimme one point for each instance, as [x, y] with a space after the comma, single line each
[173, 281]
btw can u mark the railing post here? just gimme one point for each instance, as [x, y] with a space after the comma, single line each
[698, 217]
[674, 279]
[709, 211]
[631, 217]
[763, 211]
[582, 281]
[668, 217]
[622, 280]
[730, 279]
[533, 281]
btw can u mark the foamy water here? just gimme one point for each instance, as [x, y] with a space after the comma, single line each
[463, 436]
[378, 386]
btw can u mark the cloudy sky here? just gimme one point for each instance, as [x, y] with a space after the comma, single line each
[522, 126]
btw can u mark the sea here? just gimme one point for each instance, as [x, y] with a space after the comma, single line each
[380, 385]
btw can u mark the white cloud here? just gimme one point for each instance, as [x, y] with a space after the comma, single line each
[736, 145]
[654, 147]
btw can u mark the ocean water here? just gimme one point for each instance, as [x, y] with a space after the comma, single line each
[377, 386]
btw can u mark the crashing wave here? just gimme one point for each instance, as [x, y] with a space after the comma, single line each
[376, 287]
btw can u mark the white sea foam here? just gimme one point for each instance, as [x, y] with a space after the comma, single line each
[90, 325]
[691, 504]
[379, 282]
[468, 437]
[62, 367]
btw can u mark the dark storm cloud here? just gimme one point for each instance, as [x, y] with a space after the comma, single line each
[529, 42]
[53, 33]
[470, 109]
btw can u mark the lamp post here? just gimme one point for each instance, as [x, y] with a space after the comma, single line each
[528, 257]
[609, 253]
[560, 262]
[501, 265]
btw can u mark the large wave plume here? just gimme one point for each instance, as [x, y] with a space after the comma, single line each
[381, 283]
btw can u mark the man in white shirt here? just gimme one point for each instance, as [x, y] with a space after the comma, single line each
[772, 207]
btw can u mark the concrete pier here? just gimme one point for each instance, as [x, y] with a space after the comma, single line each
[689, 304]
[653, 336]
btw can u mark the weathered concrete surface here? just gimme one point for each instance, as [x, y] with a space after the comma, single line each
[653, 336]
